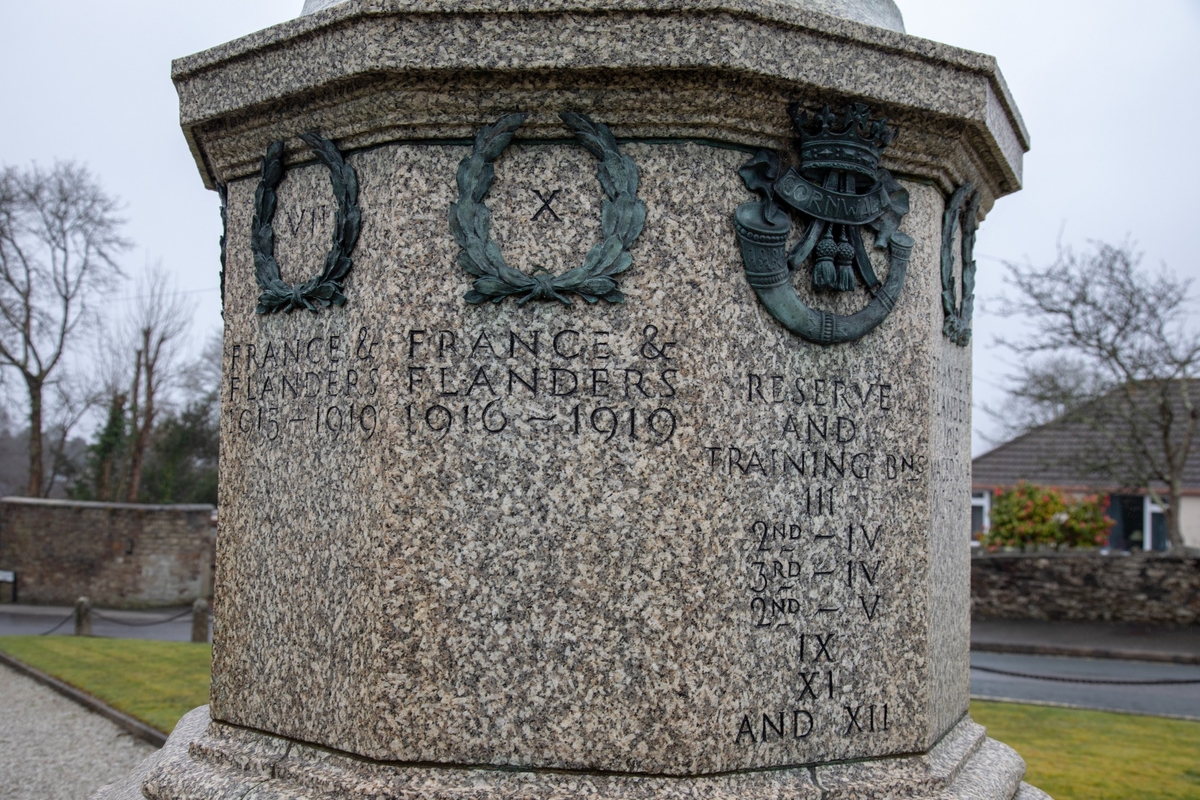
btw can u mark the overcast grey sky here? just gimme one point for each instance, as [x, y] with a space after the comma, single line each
[1107, 89]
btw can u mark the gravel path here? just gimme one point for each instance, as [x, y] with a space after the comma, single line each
[53, 749]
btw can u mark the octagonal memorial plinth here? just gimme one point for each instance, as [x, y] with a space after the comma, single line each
[596, 405]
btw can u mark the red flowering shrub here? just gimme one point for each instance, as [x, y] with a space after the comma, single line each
[1029, 515]
[1025, 515]
[1087, 524]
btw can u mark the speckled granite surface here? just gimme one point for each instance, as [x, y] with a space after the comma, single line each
[430, 554]
[371, 71]
[881, 13]
[663, 548]
[212, 760]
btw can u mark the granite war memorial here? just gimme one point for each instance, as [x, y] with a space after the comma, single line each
[596, 403]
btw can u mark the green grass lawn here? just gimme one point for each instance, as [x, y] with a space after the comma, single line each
[1094, 755]
[157, 682]
[1087, 755]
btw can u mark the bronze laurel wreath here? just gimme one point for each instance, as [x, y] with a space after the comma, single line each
[223, 193]
[622, 219]
[957, 326]
[325, 288]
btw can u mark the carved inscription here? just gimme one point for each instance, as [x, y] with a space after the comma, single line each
[818, 569]
[566, 382]
[307, 223]
[866, 719]
[796, 723]
[322, 386]
[951, 466]
[954, 403]
[546, 200]
[804, 571]
[818, 432]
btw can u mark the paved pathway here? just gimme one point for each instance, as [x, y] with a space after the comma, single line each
[52, 749]
[1168, 700]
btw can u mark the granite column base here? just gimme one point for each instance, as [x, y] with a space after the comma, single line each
[208, 759]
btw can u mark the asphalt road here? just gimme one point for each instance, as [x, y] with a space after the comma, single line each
[1163, 700]
[33, 620]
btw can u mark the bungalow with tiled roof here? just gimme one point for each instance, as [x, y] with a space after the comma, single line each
[1057, 454]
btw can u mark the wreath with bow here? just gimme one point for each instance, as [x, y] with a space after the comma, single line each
[622, 219]
[325, 288]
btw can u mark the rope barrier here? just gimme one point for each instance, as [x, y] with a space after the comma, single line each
[1115, 682]
[180, 615]
[65, 620]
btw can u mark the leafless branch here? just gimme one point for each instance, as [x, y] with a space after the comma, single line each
[59, 243]
[1112, 349]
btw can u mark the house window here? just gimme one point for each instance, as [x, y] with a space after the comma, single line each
[1135, 515]
[1156, 524]
[981, 514]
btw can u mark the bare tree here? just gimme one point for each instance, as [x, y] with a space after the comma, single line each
[203, 377]
[107, 456]
[59, 239]
[160, 320]
[1122, 331]
[1042, 391]
[72, 399]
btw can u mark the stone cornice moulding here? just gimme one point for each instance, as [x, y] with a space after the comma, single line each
[236, 97]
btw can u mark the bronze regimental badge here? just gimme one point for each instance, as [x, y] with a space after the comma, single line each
[837, 189]
[623, 216]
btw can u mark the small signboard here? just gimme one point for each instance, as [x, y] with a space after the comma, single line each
[7, 576]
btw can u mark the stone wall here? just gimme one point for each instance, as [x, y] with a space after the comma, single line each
[118, 554]
[1146, 588]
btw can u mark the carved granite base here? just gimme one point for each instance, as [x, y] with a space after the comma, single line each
[212, 760]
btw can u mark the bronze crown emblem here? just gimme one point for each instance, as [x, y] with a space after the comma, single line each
[855, 145]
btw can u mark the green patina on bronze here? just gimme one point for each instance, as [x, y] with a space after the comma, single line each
[962, 210]
[622, 219]
[223, 193]
[836, 159]
[325, 288]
